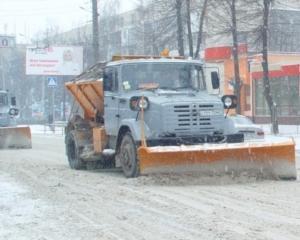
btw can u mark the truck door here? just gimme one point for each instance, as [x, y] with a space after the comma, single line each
[111, 101]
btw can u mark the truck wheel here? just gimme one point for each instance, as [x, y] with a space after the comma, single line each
[128, 156]
[73, 152]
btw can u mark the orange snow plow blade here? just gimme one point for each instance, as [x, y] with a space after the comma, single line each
[266, 159]
[15, 137]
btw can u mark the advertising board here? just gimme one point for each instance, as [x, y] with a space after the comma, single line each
[54, 61]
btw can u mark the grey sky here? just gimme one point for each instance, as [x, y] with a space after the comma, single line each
[25, 18]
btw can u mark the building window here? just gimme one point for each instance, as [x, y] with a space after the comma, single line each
[285, 92]
[261, 108]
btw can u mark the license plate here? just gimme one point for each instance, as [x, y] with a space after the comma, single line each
[206, 113]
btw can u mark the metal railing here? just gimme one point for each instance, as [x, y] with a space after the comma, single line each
[57, 127]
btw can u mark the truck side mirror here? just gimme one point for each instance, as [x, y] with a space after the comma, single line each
[13, 101]
[215, 80]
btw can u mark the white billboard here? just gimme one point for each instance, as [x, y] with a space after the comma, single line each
[55, 61]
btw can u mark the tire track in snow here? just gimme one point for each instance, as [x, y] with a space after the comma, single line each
[152, 215]
[148, 218]
[86, 219]
[229, 208]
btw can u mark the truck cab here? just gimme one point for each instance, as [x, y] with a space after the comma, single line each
[176, 104]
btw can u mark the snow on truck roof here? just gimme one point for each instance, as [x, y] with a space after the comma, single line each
[153, 60]
[96, 71]
[93, 72]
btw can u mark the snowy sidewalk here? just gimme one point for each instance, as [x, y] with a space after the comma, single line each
[46, 130]
[286, 131]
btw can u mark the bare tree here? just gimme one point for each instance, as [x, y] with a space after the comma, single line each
[235, 53]
[230, 18]
[189, 27]
[265, 66]
[227, 21]
[110, 7]
[157, 28]
[200, 29]
[180, 31]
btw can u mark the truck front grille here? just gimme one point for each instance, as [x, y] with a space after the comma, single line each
[192, 118]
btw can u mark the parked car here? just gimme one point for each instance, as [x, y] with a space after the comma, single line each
[247, 127]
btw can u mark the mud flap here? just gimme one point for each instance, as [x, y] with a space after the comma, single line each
[272, 158]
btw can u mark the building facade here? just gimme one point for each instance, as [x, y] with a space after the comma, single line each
[285, 87]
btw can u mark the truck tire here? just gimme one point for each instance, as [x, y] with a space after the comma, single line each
[128, 156]
[73, 152]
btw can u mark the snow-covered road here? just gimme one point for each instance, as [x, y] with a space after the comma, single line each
[41, 198]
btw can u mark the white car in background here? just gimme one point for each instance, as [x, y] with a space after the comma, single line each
[247, 127]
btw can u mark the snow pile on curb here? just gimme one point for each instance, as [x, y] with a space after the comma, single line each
[46, 130]
[286, 131]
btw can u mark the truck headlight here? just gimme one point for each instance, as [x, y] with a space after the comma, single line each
[143, 103]
[138, 103]
[229, 101]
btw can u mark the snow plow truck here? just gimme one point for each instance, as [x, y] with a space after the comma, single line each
[157, 115]
[11, 135]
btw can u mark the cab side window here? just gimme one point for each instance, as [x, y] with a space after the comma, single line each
[110, 79]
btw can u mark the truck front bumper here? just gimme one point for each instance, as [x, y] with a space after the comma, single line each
[191, 140]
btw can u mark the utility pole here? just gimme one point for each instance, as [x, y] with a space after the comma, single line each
[95, 31]
[2, 72]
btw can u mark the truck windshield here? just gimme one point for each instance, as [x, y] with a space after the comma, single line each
[3, 99]
[173, 76]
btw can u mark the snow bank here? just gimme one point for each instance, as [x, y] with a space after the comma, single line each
[46, 130]
[287, 131]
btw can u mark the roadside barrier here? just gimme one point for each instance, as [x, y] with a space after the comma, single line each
[58, 128]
